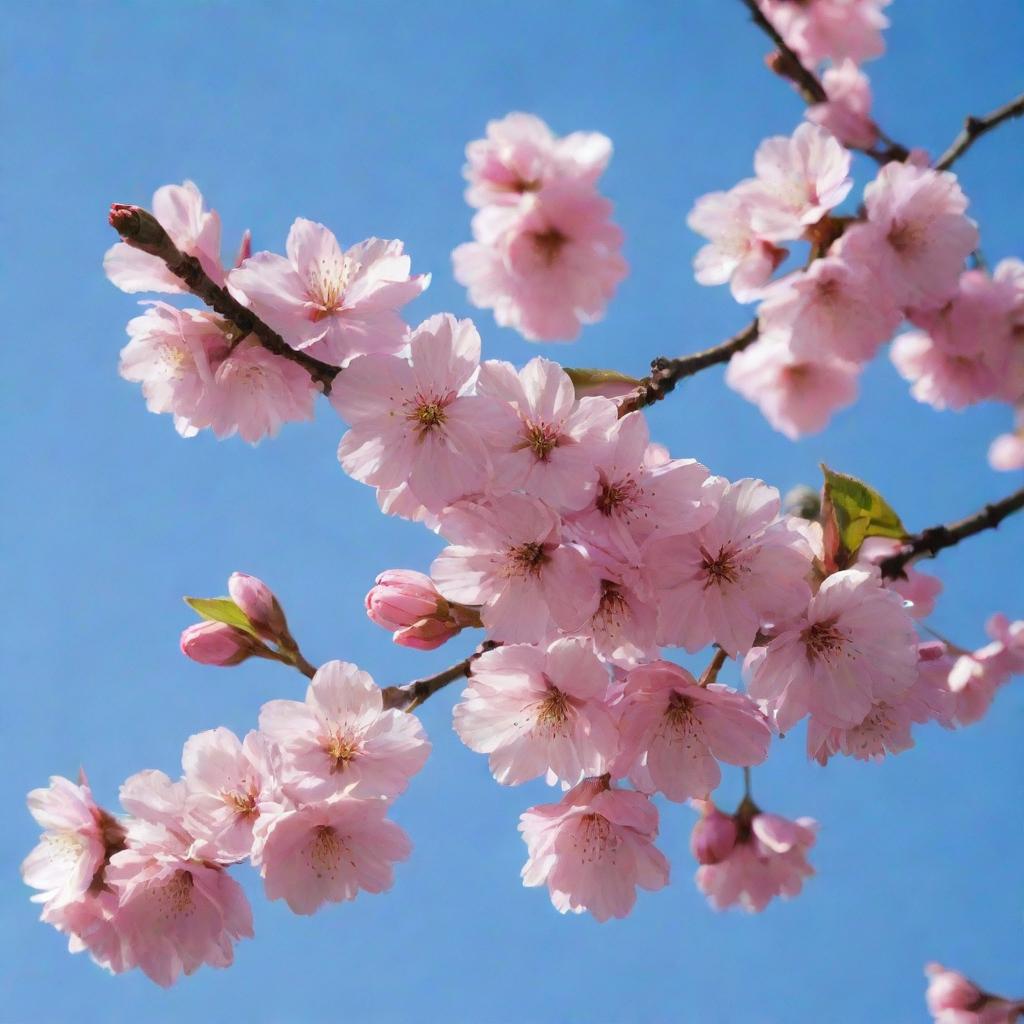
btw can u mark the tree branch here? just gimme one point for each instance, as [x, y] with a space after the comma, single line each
[975, 127]
[928, 543]
[667, 373]
[789, 64]
[141, 230]
[410, 696]
[786, 63]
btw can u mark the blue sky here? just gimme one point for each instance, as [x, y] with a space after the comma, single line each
[356, 114]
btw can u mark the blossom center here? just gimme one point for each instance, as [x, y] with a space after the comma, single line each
[325, 851]
[612, 496]
[595, 840]
[175, 896]
[720, 569]
[527, 559]
[542, 439]
[905, 238]
[243, 804]
[341, 750]
[823, 640]
[614, 608]
[328, 280]
[553, 710]
[549, 244]
[679, 712]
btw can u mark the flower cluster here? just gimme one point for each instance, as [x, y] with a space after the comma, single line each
[304, 799]
[331, 305]
[545, 255]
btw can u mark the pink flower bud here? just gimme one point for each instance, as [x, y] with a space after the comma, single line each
[426, 634]
[713, 837]
[257, 600]
[216, 643]
[402, 598]
[948, 990]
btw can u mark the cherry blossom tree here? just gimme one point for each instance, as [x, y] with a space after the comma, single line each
[578, 551]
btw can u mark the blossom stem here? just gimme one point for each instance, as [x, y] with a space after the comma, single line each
[975, 127]
[929, 542]
[141, 230]
[409, 696]
[667, 373]
[710, 674]
[748, 793]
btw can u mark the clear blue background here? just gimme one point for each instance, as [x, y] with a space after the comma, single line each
[356, 114]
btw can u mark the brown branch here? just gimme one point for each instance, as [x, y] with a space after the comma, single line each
[787, 64]
[667, 373]
[928, 543]
[141, 230]
[410, 696]
[975, 127]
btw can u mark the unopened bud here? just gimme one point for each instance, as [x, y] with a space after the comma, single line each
[713, 837]
[605, 383]
[139, 228]
[408, 603]
[260, 605]
[216, 643]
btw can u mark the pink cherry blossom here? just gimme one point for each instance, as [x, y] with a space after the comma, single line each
[942, 378]
[173, 354]
[723, 582]
[534, 710]
[78, 837]
[975, 677]
[768, 860]
[90, 924]
[327, 852]
[195, 231]
[543, 440]
[674, 732]
[624, 627]
[918, 232]
[414, 421]
[886, 729]
[847, 114]
[836, 307]
[638, 500]
[593, 848]
[253, 393]
[225, 781]
[830, 29]
[409, 604]
[335, 304]
[174, 913]
[341, 741]
[509, 557]
[521, 155]
[735, 252]
[796, 394]
[802, 178]
[547, 267]
[854, 646]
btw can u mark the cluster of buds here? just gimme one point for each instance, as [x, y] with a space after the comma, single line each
[407, 603]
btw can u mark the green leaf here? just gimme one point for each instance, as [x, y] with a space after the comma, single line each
[859, 512]
[584, 379]
[221, 609]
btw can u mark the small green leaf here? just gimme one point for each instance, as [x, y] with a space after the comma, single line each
[221, 609]
[584, 380]
[859, 512]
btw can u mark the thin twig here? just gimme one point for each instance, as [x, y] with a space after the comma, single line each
[790, 64]
[141, 230]
[975, 127]
[928, 543]
[667, 373]
[409, 696]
